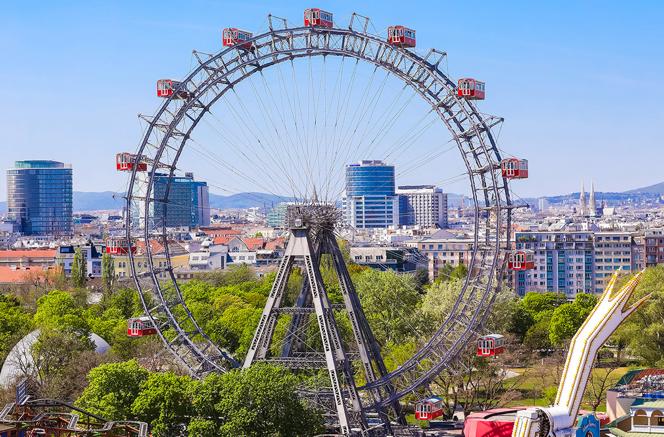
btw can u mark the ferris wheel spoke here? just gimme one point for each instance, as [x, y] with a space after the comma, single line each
[246, 143]
[372, 124]
[262, 140]
[297, 103]
[280, 139]
[344, 143]
[360, 110]
[341, 115]
[289, 138]
[221, 164]
[337, 92]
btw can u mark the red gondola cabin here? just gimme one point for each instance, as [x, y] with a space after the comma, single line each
[125, 162]
[119, 246]
[521, 260]
[471, 89]
[167, 88]
[401, 36]
[429, 409]
[317, 17]
[140, 326]
[514, 168]
[490, 345]
[236, 37]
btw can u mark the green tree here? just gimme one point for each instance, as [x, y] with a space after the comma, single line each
[421, 278]
[112, 389]
[107, 272]
[165, 403]
[390, 302]
[585, 302]
[645, 328]
[258, 401]
[459, 272]
[565, 321]
[444, 273]
[58, 311]
[14, 324]
[79, 269]
[440, 298]
[53, 353]
[520, 322]
[539, 305]
[537, 336]
[233, 275]
[568, 318]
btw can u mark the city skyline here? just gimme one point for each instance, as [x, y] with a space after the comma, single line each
[256, 218]
[556, 140]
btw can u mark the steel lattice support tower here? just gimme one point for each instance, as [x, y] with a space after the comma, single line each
[312, 237]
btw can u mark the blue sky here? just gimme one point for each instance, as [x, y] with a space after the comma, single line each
[577, 82]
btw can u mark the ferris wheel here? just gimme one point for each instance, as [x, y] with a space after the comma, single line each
[286, 111]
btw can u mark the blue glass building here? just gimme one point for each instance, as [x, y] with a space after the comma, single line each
[187, 203]
[40, 198]
[370, 200]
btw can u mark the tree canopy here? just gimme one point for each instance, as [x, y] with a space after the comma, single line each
[59, 311]
[259, 401]
[112, 389]
[79, 269]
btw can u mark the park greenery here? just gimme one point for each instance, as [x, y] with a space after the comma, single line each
[136, 380]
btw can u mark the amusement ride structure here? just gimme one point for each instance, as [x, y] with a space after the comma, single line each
[313, 221]
[561, 419]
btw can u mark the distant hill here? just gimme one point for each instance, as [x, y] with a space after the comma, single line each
[90, 201]
[246, 200]
[656, 189]
[95, 201]
[108, 200]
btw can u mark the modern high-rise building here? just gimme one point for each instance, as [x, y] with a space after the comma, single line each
[186, 204]
[613, 251]
[201, 203]
[276, 217]
[422, 205]
[654, 247]
[370, 200]
[564, 262]
[40, 198]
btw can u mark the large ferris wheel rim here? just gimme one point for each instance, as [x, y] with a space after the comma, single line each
[282, 47]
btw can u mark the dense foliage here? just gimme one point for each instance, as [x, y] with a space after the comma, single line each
[260, 401]
[136, 380]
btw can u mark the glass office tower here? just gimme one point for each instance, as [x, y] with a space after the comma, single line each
[370, 200]
[39, 197]
[187, 205]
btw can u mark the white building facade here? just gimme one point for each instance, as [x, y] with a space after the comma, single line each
[422, 205]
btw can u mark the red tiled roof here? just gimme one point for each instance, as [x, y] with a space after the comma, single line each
[221, 232]
[157, 248]
[9, 275]
[277, 243]
[28, 253]
[254, 243]
[222, 240]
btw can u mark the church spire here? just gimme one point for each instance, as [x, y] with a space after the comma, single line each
[592, 204]
[583, 206]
